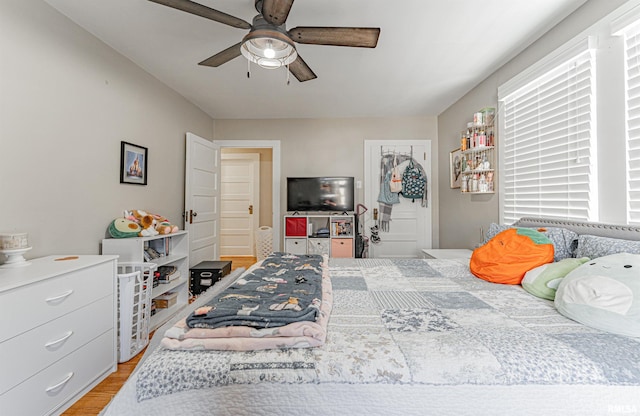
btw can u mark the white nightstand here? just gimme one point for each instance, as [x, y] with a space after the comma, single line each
[446, 253]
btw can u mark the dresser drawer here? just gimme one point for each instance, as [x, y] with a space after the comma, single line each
[46, 391]
[24, 355]
[29, 306]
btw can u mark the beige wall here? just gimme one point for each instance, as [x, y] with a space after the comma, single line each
[463, 216]
[322, 147]
[266, 181]
[66, 102]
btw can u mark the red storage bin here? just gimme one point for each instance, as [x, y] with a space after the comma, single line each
[295, 227]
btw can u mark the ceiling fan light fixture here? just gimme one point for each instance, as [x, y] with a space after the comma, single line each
[268, 50]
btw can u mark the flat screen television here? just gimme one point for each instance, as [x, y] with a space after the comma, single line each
[320, 194]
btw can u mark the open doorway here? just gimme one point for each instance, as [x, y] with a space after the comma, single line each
[236, 216]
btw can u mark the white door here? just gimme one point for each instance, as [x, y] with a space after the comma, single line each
[410, 225]
[240, 207]
[274, 145]
[202, 198]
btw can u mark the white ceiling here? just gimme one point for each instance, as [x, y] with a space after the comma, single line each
[430, 52]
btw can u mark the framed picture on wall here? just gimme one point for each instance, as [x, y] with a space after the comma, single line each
[455, 167]
[133, 164]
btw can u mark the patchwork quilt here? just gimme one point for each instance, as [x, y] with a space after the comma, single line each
[416, 322]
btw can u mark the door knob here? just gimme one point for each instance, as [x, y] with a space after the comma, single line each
[250, 209]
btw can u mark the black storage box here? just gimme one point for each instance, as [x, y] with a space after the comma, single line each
[205, 274]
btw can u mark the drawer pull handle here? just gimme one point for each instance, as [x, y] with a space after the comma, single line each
[58, 341]
[55, 298]
[206, 274]
[63, 382]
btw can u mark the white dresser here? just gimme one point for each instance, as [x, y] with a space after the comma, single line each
[58, 331]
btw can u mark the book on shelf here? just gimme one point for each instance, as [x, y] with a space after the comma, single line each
[341, 227]
[168, 274]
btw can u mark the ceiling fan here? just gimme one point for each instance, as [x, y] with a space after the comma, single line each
[268, 43]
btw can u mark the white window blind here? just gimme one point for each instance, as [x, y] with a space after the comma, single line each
[548, 137]
[632, 39]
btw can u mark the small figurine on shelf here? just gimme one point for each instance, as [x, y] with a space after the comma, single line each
[490, 181]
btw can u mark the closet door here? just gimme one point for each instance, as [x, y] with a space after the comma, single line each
[409, 228]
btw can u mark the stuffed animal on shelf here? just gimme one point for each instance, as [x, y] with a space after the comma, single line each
[161, 225]
[124, 228]
[147, 222]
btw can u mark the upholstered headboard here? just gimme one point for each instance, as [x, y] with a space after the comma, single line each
[626, 232]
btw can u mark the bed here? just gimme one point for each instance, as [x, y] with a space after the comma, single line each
[406, 337]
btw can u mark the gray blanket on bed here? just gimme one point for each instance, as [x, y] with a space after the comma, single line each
[283, 289]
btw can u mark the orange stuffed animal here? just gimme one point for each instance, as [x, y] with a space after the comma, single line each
[146, 221]
[510, 254]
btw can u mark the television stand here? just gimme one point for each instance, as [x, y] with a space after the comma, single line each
[301, 234]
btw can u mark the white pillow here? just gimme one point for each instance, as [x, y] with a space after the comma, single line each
[604, 293]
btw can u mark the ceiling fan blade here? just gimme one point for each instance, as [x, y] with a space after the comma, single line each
[206, 12]
[276, 11]
[361, 37]
[223, 57]
[301, 70]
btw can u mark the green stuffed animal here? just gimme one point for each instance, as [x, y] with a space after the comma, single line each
[543, 281]
[124, 228]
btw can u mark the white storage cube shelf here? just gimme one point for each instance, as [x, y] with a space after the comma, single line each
[135, 281]
[171, 250]
[319, 234]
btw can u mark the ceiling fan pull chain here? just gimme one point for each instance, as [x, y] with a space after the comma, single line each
[248, 68]
[288, 76]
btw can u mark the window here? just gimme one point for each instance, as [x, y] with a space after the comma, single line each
[632, 51]
[548, 139]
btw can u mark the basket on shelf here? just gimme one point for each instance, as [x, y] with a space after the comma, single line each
[135, 282]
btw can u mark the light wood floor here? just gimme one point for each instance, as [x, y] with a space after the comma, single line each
[93, 402]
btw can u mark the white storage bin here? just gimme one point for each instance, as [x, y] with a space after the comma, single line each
[135, 283]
